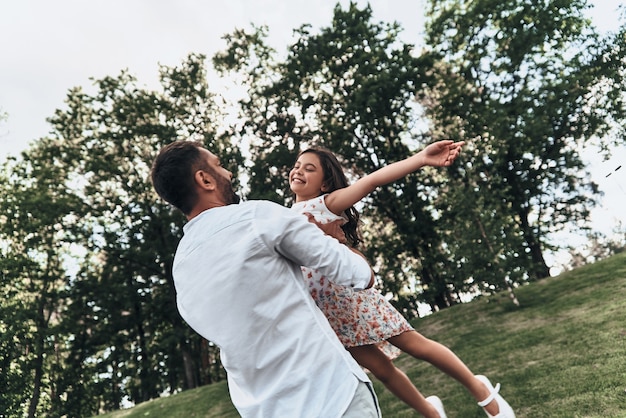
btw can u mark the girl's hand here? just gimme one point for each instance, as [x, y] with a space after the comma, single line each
[441, 153]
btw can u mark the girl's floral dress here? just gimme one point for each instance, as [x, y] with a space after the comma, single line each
[359, 317]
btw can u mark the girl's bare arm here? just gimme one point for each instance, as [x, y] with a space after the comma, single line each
[438, 154]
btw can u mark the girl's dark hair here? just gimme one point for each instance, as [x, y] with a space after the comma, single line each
[173, 171]
[334, 178]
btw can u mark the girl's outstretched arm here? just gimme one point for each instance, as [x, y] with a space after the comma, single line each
[438, 154]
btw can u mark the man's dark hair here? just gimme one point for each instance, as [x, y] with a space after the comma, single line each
[173, 173]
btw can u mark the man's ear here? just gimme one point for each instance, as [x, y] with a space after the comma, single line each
[204, 180]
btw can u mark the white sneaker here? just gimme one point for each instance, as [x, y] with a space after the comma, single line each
[436, 402]
[505, 409]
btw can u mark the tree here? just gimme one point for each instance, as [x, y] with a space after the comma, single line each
[117, 333]
[519, 81]
[350, 88]
[36, 229]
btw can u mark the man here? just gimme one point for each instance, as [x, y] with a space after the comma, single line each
[239, 284]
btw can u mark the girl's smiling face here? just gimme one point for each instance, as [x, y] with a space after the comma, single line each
[306, 178]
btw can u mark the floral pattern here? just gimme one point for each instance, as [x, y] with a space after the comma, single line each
[357, 317]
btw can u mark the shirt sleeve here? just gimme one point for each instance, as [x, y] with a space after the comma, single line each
[291, 235]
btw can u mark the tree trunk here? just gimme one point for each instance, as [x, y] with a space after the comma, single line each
[539, 268]
[189, 366]
[38, 365]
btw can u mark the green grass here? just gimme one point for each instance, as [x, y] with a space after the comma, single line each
[562, 353]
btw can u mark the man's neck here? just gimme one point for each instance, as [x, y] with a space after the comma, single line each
[201, 208]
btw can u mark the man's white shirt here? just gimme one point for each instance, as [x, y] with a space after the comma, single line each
[239, 284]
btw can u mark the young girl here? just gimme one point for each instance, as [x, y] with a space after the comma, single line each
[366, 323]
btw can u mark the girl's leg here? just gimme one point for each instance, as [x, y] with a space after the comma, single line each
[394, 379]
[440, 356]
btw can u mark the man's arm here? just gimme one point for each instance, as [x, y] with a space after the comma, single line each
[333, 229]
[300, 241]
[373, 277]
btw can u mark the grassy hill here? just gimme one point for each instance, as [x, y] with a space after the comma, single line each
[562, 353]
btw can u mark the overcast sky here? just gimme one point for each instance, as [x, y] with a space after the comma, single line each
[50, 46]
[47, 47]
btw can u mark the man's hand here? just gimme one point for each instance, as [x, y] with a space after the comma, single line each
[332, 229]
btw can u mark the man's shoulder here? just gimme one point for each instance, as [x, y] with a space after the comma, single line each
[268, 212]
[229, 214]
[263, 205]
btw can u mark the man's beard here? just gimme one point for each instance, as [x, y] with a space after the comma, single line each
[226, 188]
[233, 197]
